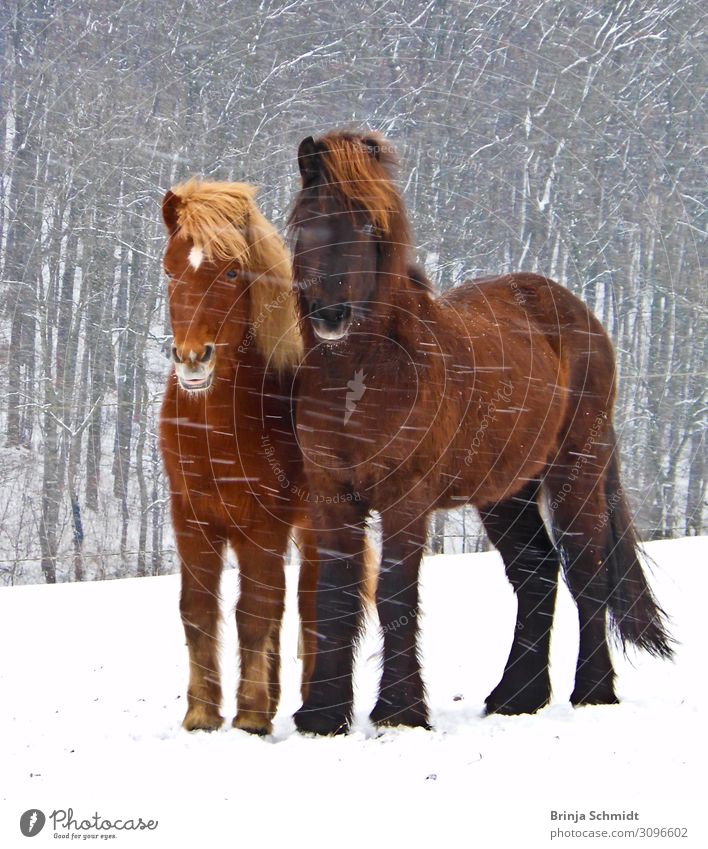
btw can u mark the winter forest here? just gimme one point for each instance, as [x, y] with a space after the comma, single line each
[559, 137]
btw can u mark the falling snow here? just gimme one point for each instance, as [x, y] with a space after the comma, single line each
[561, 138]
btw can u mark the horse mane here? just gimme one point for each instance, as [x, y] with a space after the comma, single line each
[213, 216]
[223, 221]
[359, 170]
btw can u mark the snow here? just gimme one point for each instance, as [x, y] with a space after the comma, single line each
[94, 678]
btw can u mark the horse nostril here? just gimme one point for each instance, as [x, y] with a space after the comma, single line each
[343, 311]
[336, 314]
[175, 355]
[332, 315]
[207, 355]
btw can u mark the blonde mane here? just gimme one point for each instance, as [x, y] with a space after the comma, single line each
[222, 220]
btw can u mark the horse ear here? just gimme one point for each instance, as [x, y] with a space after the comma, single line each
[170, 202]
[308, 159]
[373, 146]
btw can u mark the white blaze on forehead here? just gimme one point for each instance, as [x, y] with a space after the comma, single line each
[196, 255]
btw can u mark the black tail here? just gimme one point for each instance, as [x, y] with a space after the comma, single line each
[634, 611]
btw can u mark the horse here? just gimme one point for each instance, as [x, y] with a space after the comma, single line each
[227, 438]
[497, 393]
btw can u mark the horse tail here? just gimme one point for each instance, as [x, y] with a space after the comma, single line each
[634, 611]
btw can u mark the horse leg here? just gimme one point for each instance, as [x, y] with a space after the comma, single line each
[401, 698]
[274, 672]
[578, 507]
[327, 709]
[516, 529]
[200, 549]
[306, 598]
[259, 614]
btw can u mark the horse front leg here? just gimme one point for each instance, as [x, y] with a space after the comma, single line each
[259, 615]
[327, 708]
[402, 699]
[200, 548]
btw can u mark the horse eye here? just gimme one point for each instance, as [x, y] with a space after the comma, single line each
[231, 274]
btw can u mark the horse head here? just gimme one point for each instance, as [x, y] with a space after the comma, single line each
[350, 231]
[230, 284]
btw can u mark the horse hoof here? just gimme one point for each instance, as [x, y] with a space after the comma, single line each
[509, 709]
[516, 704]
[321, 722]
[392, 715]
[253, 724]
[596, 696]
[200, 719]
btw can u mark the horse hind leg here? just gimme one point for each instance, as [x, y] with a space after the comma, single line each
[274, 672]
[307, 602]
[599, 545]
[578, 508]
[516, 529]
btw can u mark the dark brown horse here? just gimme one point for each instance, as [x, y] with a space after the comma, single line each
[226, 430]
[494, 393]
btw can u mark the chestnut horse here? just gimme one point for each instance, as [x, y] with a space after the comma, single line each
[493, 394]
[226, 430]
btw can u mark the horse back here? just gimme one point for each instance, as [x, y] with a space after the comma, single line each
[542, 365]
[544, 308]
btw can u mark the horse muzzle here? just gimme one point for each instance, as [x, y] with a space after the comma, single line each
[330, 323]
[194, 379]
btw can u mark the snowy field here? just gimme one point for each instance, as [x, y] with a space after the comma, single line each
[93, 680]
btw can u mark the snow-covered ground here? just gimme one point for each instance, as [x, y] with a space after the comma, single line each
[93, 681]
